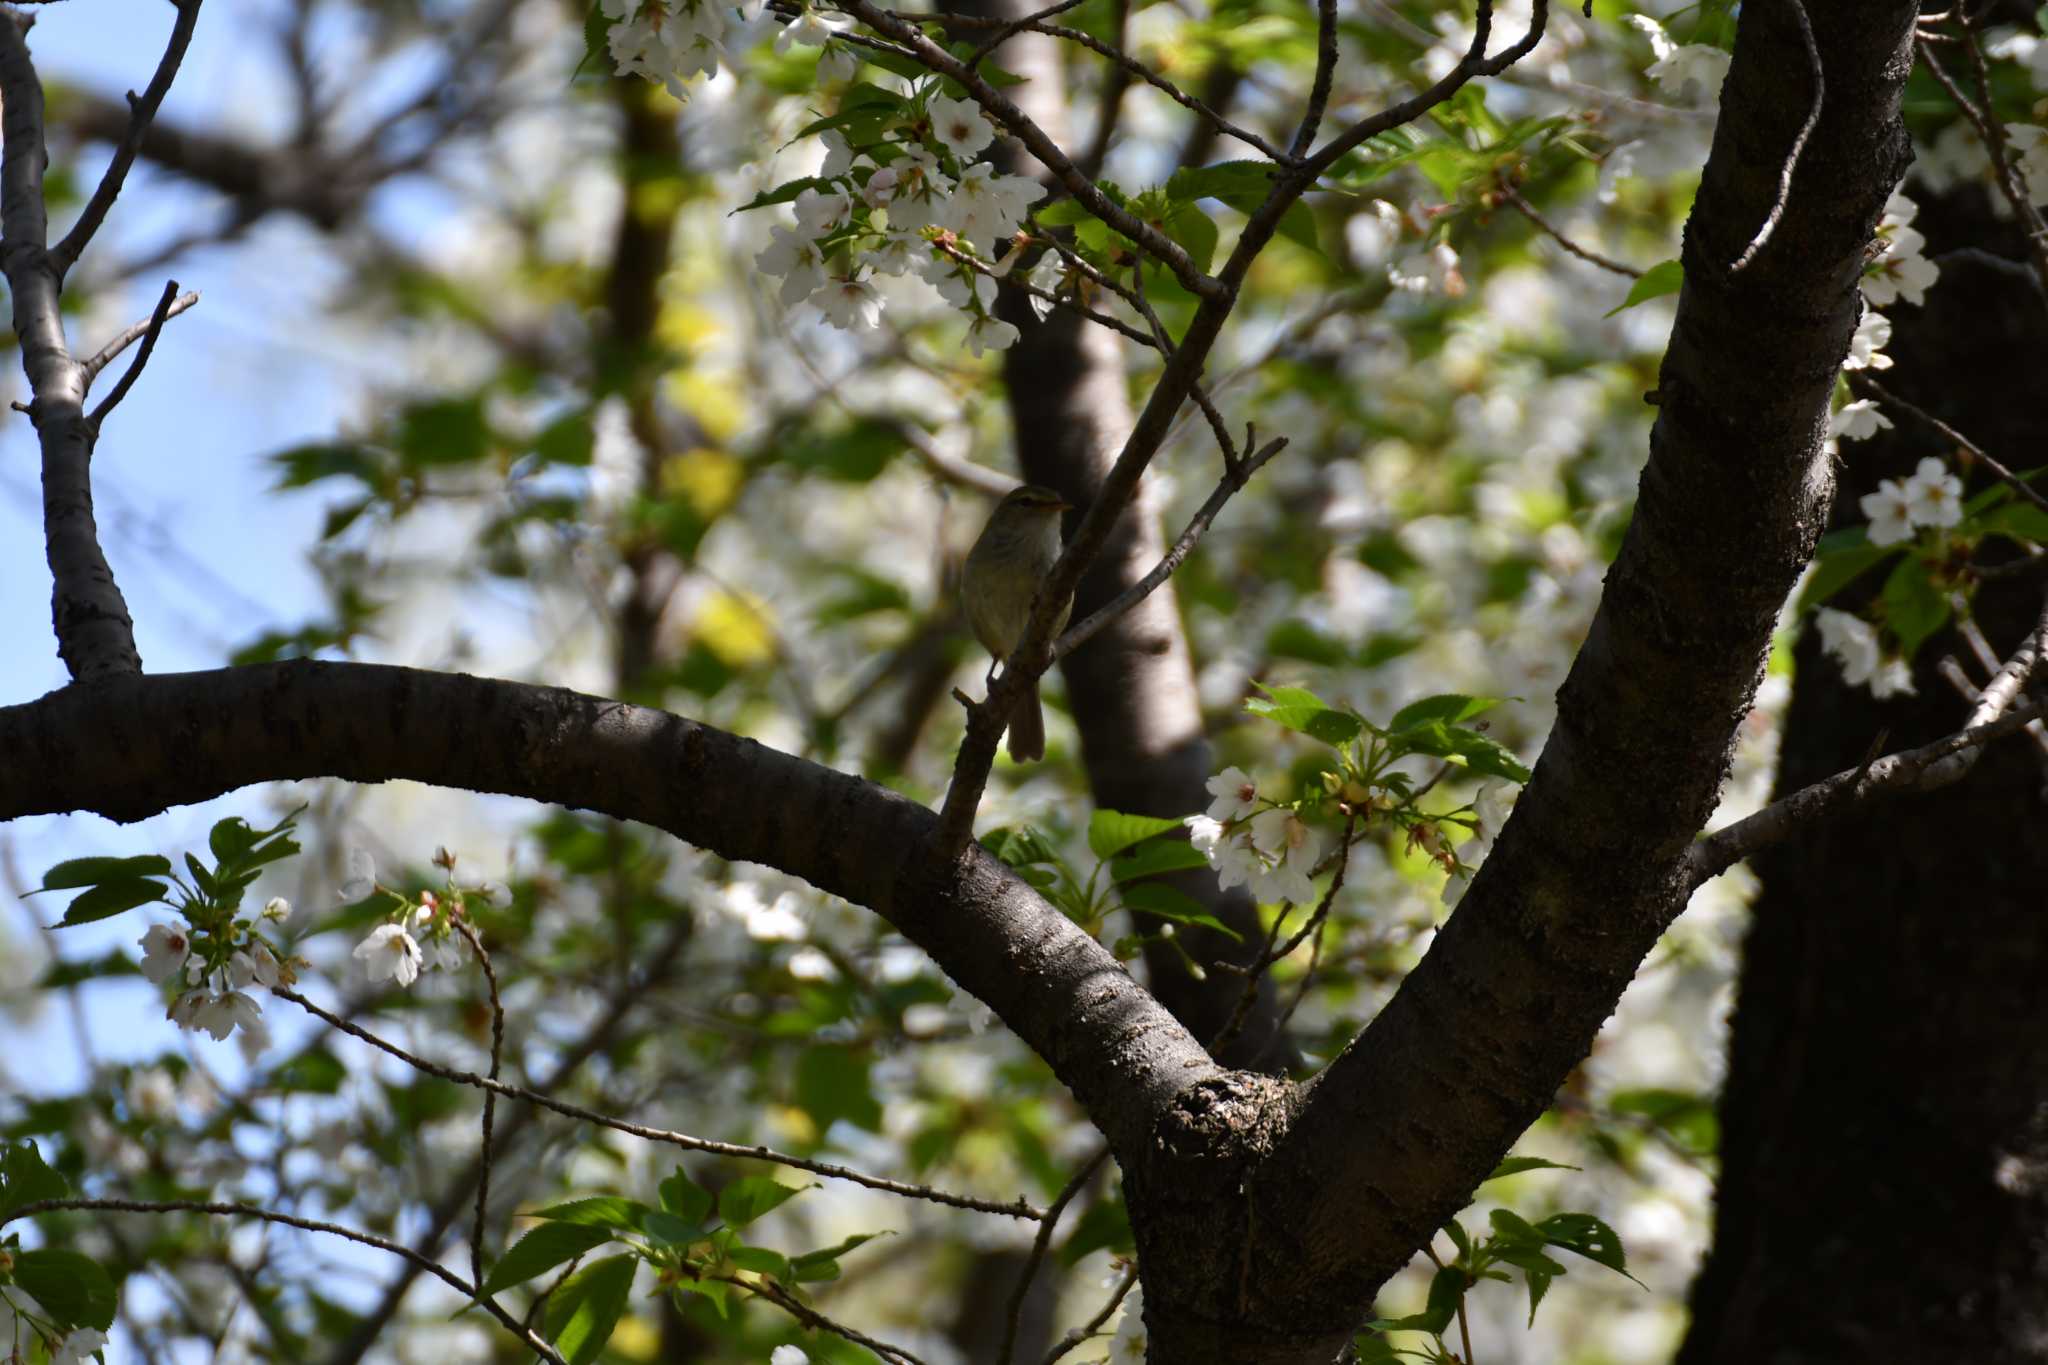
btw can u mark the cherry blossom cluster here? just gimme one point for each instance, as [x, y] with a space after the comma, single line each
[670, 41]
[421, 934]
[1852, 643]
[914, 202]
[1681, 67]
[218, 968]
[1272, 849]
[73, 1348]
[1932, 499]
[1902, 271]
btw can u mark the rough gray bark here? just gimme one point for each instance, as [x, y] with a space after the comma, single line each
[1266, 1214]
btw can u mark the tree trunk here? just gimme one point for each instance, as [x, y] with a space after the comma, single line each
[1884, 1192]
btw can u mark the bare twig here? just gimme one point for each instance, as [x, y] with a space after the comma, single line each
[1771, 219]
[107, 354]
[1013, 27]
[1109, 107]
[1528, 210]
[1319, 90]
[810, 1317]
[483, 1180]
[1992, 132]
[426, 1263]
[1195, 390]
[1175, 556]
[1038, 1247]
[1910, 770]
[1093, 1325]
[134, 371]
[1018, 1209]
[1256, 971]
[1130, 66]
[1997, 697]
[143, 109]
[1861, 379]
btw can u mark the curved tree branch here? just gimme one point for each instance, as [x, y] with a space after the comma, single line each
[127, 747]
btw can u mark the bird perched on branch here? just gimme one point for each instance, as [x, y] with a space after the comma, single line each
[1012, 557]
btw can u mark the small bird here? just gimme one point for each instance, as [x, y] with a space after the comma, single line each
[1015, 552]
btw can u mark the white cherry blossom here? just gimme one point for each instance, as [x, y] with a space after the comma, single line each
[1236, 794]
[1890, 510]
[1934, 496]
[849, 303]
[797, 258]
[960, 125]
[990, 333]
[1866, 348]
[163, 951]
[390, 953]
[1858, 421]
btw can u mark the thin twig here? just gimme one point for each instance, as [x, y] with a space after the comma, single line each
[1777, 213]
[1081, 1334]
[483, 1182]
[107, 354]
[142, 110]
[1258, 969]
[1038, 1247]
[1909, 770]
[1528, 210]
[150, 333]
[1992, 133]
[1018, 1209]
[1319, 90]
[1233, 480]
[399, 1249]
[1999, 693]
[1109, 108]
[1861, 379]
[812, 1318]
[1130, 65]
[981, 267]
[1195, 389]
[1011, 28]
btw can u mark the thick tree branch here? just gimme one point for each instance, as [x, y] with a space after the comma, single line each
[128, 747]
[1593, 864]
[95, 636]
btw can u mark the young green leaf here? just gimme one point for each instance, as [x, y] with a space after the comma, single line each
[76, 872]
[1299, 709]
[585, 1308]
[111, 898]
[1110, 832]
[1665, 277]
[69, 1285]
[542, 1249]
[747, 1198]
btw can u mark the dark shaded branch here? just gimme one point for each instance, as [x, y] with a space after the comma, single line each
[95, 636]
[1921, 769]
[129, 747]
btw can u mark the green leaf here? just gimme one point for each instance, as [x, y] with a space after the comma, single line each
[823, 1264]
[1835, 568]
[1157, 898]
[1515, 1165]
[1105, 1224]
[1299, 709]
[1456, 744]
[599, 1211]
[1110, 832]
[1299, 640]
[833, 1083]
[444, 431]
[1156, 856]
[542, 1249]
[1913, 607]
[1021, 846]
[665, 1229]
[747, 1198]
[1460, 1239]
[1589, 1237]
[568, 440]
[75, 872]
[24, 1179]
[685, 1198]
[761, 1261]
[1665, 277]
[585, 1308]
[1446, 1292]
[71, 1287]
[109, 899]
[1450, 708]
[784, 193]
[2021, 521]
